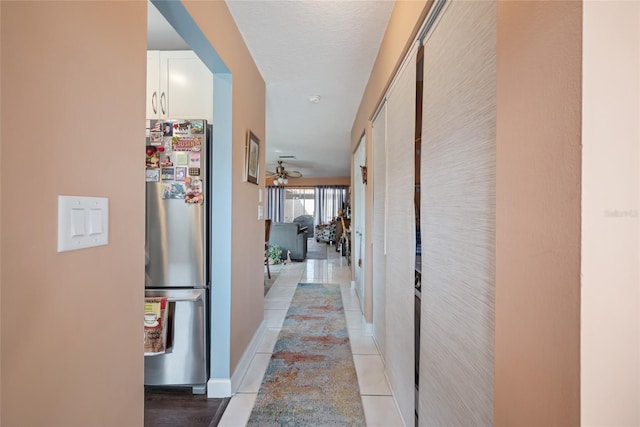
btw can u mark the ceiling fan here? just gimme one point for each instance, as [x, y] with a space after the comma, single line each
[282, 175]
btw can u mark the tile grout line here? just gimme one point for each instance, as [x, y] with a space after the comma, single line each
[345, 291]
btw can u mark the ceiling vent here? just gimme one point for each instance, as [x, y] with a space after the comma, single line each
[287, 157]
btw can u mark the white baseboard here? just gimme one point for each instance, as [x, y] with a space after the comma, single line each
[395, 400]
[247, 356]
[227, 387]
[218, 387]
[368, 328]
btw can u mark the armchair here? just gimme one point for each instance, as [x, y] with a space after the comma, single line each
[326, 233]
[305, 221]
[288, 236]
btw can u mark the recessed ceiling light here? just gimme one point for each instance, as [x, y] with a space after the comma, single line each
[314, 99]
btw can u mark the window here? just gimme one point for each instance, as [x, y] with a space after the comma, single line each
[298, 201]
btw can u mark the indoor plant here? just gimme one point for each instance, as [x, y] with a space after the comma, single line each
[275, 254]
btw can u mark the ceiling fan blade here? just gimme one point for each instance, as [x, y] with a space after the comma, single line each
[294, 174]
[270, 174]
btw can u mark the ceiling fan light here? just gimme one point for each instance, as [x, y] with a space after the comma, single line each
[286, 181]
[275, 181]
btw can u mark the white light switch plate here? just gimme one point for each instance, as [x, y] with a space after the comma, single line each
[83, 222]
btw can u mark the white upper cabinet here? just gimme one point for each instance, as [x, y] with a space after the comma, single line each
[153, 84]
[179, 86]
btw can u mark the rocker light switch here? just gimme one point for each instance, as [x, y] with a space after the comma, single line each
[95, 221]
[83, 222]
[77, 222]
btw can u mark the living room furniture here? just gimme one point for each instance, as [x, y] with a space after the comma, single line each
[304, 221]
[267, 232]
[325, 233]
[289, 237]
[345, 242]
[342, 228]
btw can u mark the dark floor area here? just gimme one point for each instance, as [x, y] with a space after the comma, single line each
[177, 406]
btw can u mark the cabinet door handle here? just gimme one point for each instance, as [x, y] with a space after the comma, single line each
[163, 98]
[154, 100]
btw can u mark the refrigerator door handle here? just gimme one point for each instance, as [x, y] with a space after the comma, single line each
[194, 299]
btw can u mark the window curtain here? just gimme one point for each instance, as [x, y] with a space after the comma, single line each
[329, 198]
[275, 204]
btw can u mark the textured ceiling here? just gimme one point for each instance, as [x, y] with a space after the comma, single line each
[312, 47]
[304, 48]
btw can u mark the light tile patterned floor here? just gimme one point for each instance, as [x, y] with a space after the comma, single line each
[379, 406]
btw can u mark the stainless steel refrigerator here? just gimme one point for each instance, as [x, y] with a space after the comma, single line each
[177, 240]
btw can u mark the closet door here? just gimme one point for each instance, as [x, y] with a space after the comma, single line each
[458, 217]
[358, 259]
[378, 233]
[400, 231]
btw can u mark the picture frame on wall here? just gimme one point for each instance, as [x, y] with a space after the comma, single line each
[252, 167]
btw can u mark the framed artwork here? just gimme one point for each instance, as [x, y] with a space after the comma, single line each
[253, 158]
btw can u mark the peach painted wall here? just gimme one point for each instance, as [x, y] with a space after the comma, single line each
[538, 171]
[610, 353]
[73, 88]
[0, 222]
[247, 251]
[404, 24]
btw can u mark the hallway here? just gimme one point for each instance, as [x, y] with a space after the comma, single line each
[379, 406]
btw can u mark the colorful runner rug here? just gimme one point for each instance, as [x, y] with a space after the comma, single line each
[311, 379]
